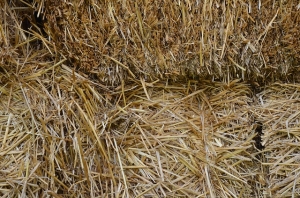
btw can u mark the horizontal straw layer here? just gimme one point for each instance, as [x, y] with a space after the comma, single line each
[63, 135]
[113, 40]
[253, 40]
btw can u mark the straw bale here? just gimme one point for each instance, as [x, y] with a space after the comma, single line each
[279, 111]
[114, 40]
[64, 136]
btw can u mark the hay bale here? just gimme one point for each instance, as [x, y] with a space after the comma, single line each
[63, 135]
[115, 40]
[278, 110]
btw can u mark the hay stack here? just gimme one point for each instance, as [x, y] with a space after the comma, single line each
[64, 134]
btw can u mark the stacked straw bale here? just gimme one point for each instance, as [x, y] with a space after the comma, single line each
[114, 40]
[64, 136]
[98, 98]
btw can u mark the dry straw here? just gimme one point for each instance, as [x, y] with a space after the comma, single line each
[64, 134]
[278, 110]
[255, 40]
